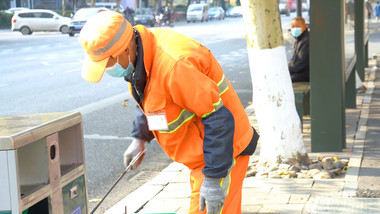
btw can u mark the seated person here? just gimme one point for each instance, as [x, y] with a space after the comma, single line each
[299, 64]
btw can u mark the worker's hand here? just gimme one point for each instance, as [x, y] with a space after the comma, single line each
[134, 149]
[211, 195]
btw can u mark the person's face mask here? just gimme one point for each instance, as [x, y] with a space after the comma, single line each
[296, 31]
[118, 71]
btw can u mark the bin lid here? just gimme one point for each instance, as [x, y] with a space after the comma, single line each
[19, 130]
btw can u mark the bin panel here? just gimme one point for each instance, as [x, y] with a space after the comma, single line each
[70, 148]
[33, 167]
[5, 200]
[75, 197]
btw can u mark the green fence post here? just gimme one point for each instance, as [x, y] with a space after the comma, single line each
[359, 37]
[327, 83]
[366, 54]
[351, 90]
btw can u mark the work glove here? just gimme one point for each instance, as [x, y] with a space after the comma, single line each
[134, 149]
[211, 195]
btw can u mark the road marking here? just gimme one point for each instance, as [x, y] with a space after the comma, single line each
[72, 70]
[7, 51]
[106, 137]
[102, 103]
[26, 49]
[30, 58]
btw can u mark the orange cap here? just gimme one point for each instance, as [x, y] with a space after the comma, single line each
[104, 34]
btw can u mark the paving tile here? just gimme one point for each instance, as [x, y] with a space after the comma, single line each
[299, 198]
[174, 167]
[250, 209]
[250, 197]
[258, 183]
[329, 183]
[184, 209]
[282, 208]
[308, 205]
[277, 198]
[183, 176]
[175, 190]
[292, 190]
[329, 205]
[163, 178]
[159, 205]
[178, 187]
[136, 199]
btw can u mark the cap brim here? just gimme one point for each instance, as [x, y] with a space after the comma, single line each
[93, 71]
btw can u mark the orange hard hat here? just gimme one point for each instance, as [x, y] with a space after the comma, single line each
[104, 34]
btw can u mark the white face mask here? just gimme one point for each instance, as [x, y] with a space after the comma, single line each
[118, 71]
[296, 31]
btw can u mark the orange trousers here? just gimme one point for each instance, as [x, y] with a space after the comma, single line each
[233, 182]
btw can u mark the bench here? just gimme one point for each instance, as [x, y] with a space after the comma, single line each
[302, 98]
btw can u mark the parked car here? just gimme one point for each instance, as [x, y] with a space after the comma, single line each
[108, 5]
[197, 12]
[14, 9]
[284, 8]
[236, 11]
[144, 16]
[179, 13]
[80, 18]
[216, 13]
[29, 21]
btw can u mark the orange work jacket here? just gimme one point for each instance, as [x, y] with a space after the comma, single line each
[185, 81]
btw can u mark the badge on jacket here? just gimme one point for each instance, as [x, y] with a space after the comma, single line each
[157, 121]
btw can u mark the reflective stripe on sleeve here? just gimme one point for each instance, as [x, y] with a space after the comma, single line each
[222, 85]
[186, 115]
[225, 183]
[217, 106]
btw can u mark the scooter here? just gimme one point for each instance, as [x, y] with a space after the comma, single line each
[163, 20]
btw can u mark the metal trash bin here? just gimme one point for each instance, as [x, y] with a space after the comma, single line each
[42, 165]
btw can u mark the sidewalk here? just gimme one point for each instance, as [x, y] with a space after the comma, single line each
[169, 192]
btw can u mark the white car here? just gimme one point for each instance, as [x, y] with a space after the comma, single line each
[197, 12]
[236, 11]
[108, 5]
[29, 21]
[80, 18]
[14, 9]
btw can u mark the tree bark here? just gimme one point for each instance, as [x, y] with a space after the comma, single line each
[63, 7]
[118, 6]
[273, 98]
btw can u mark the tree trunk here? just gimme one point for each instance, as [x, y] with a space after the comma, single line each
[63, 7]
[118, 6]
[273, 98]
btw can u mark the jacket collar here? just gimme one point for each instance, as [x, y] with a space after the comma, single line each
[146, 37]
[303, 34]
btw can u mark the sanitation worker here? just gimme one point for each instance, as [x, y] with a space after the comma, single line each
[184, 101]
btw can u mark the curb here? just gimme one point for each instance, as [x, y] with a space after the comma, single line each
[352, 174]
[133, 202]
